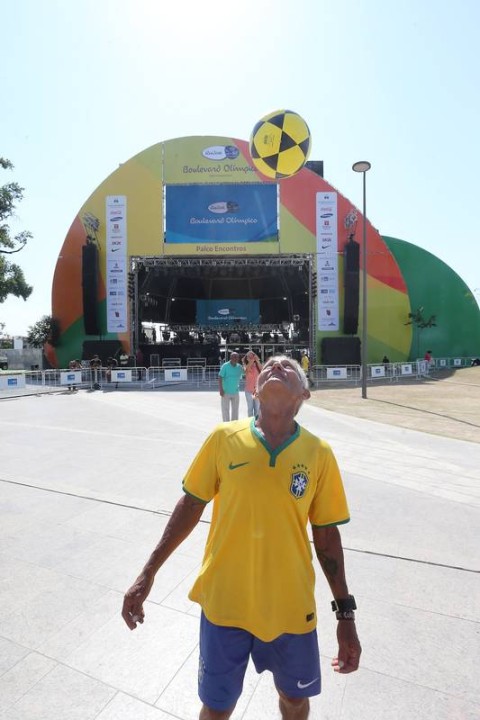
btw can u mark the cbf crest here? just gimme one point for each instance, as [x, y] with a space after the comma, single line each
[299, 481]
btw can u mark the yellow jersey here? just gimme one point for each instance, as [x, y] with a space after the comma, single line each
[257, 571]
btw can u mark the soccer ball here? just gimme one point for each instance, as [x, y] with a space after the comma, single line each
[280, 144]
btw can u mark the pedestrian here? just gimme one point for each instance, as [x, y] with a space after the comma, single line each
[111, 365]
[305, 364]
[123, 359]
[139, 361]
[251, 368]
[74, 365]
[429, 362]
[228, 385]
[268, 478]
[96, 367]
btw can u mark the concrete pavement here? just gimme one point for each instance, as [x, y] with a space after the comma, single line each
[87, 483]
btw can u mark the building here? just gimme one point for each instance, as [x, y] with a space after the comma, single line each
[187, 236]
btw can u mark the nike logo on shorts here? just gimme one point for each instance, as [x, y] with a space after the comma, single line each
[301, 685]
[234, 467]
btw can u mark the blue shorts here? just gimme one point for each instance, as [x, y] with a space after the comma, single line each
[294, 661]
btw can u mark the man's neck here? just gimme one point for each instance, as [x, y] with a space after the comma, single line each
[276, 428]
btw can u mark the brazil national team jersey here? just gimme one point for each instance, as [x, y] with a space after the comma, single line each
[257, 570]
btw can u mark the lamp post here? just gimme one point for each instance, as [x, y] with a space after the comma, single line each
[363, 166]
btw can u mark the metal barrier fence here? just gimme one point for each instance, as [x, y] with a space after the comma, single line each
[205, 376]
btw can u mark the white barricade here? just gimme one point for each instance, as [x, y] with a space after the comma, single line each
[336, 373]
[176, 375]
[121, 376]
[71, 377]
[12, 381]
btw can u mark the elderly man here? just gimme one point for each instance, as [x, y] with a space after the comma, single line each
[228, 386]
[268, 478]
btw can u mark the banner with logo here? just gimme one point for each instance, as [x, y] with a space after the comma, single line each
[327, 261]
[116, 257]
[11, 382]
[228, 312]
[71, 378]
[221, 213]
[203, 160]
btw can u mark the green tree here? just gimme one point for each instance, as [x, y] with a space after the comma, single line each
[6, 341]
[420, 322]
[12, 279]
[46, 330]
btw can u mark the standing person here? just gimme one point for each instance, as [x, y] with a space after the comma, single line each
[228, 385]
[252, 368]
[139, 360]
[428, 360]
[111, 365]
[96, 366]
[74, 365]
[268, 479]
[305, 364]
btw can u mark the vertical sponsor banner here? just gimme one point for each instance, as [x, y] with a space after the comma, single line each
[116, 254]
[327, 261]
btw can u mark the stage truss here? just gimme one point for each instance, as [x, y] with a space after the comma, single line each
[301, 261]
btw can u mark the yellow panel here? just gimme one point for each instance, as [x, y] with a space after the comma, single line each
[205, 160]
[294, 236]
[144, 209]
[387, 314]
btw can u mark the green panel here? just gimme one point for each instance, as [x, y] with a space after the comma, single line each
[433, 285]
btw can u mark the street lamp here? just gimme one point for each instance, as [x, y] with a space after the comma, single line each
[363, 166]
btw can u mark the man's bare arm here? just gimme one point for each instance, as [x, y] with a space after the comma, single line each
[185, 517]
[329, 550]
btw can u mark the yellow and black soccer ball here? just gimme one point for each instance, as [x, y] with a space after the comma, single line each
[280, 144]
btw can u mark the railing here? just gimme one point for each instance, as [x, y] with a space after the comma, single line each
[198, 375]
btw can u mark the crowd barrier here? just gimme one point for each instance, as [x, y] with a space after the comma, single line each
[201, 376]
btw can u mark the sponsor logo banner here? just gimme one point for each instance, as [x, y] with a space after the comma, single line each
[70, 378]
[228, 312]
[205, 160]
[327, 261]
[221, 213]
[121, 376]
[116, 259]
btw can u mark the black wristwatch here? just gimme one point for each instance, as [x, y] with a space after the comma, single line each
[344, 604]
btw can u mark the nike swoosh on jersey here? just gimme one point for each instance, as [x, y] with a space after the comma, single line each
[301, 685]
[234, 467]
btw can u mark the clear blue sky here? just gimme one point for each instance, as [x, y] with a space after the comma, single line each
[86, 84]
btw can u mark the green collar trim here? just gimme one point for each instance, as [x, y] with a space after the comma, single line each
[274, 453]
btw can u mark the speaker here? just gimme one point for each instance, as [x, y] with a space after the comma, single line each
[351, 261]
[351, 303]
[341, 351]
[90, 289]
[351, 256]
[316, 166]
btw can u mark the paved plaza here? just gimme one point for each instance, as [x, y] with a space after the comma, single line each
[87, 483]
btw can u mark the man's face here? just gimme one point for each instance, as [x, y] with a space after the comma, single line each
[280, 374]
[234, 358]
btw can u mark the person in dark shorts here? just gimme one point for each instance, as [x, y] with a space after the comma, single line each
[269, 478]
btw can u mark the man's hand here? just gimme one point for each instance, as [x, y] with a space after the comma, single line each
[349, 648]
[132, 611]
